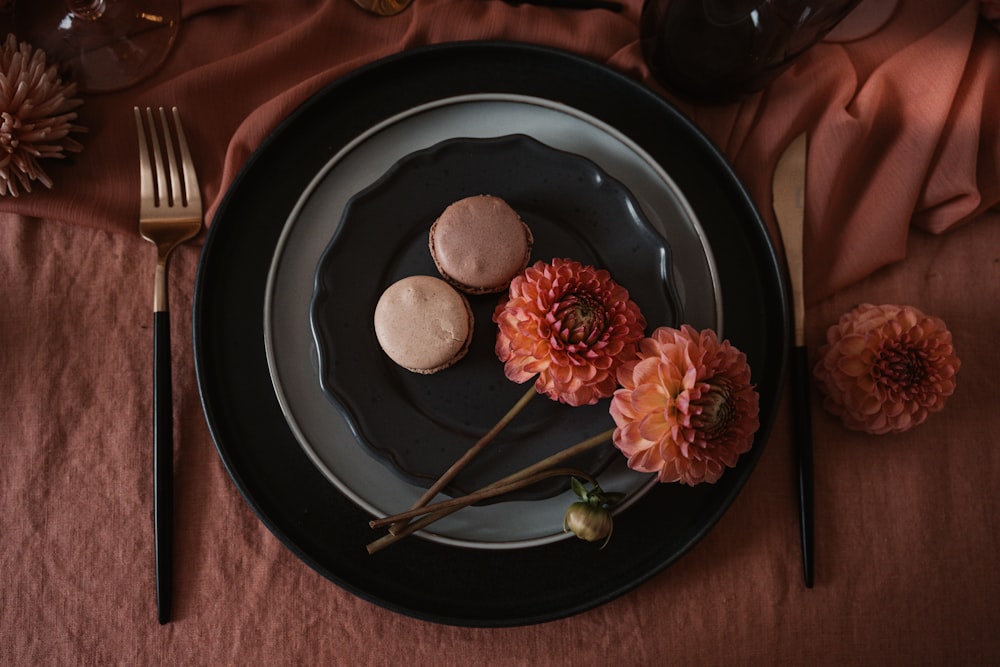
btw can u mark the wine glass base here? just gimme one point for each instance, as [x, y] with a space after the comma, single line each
[865, 20]
[383, 7]
[122, 43]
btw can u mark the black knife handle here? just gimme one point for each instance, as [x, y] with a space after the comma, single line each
[163, 463]
[802, 434]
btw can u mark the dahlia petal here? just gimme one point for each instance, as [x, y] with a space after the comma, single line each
[653, 427]
[645, 459]
[619, 408]
[560, 373]
[641, 371]
[627, 439]
[648, 398]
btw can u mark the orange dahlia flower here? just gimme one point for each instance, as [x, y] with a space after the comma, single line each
[569, 326]
[885, 369]
[686, 409]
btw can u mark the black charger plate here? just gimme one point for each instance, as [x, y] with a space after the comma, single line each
[301, 507]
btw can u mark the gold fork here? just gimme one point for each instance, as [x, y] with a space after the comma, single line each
[169, 214]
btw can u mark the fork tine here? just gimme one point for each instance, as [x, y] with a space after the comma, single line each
[161, 187]
[147, 185]
[192, 194]
[175, 195]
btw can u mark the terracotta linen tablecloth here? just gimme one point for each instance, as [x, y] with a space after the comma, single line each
[902, 193]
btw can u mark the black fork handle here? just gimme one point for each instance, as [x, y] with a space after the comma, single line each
[163, 464]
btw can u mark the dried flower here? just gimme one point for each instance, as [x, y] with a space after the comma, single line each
[570, 325]
[590, 517]
[686, 409]
[36, 114]
[884, 369]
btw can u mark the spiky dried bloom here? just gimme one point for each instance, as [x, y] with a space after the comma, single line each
[36, 117]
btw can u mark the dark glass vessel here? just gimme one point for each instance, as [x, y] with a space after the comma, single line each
[719, 51]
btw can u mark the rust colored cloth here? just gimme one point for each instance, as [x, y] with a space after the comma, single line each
[903, 180]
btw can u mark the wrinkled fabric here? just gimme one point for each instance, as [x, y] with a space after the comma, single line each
[898, 137]
[903, 183]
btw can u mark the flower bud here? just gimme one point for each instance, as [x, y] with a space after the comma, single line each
[588, 522]
[590, 518]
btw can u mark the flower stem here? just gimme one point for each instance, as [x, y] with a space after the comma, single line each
[485, 493]
[544, 464]
[471, 453]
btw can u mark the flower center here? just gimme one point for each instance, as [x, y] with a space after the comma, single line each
[717, 409]
[581, 318]
[901, 367]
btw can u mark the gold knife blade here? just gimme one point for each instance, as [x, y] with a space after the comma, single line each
[789, 197]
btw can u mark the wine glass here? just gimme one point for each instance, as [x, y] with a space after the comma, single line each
[105, 45]
[383, 7]
[718, 51]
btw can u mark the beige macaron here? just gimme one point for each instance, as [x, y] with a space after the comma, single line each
[423, 324]
[479, 244]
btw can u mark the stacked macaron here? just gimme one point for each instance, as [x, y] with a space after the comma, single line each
[478, 244]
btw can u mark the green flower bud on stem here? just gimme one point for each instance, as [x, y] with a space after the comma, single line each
[590, 517]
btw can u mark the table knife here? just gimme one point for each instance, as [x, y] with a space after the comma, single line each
[789, 191]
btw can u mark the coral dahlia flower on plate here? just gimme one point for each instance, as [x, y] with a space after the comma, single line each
[885, 369]
[686, 409]
[569, 326]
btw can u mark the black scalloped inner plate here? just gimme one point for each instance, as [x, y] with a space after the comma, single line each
[420, 424]
[293, 498]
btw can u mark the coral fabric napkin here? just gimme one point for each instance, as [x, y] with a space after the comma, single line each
[904, 150]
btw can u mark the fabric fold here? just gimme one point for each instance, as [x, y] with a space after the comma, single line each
[902, 123]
